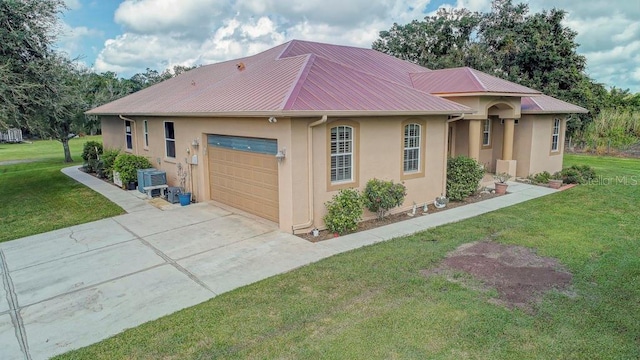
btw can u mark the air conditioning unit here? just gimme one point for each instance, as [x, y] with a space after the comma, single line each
[172, 194]
[141, 179]
[153, 178]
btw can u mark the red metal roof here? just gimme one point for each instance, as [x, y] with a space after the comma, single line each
[301, 77]
[544, 104]
[295, 77]
[465, 80]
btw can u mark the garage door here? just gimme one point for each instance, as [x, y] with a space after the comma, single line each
[243, 173]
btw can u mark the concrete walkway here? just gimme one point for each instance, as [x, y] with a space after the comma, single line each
[72, 287]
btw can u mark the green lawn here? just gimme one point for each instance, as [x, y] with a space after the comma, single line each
[373, 303]
[37, 197]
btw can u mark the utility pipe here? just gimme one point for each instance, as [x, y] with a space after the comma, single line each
[309, 223]
[133, 133]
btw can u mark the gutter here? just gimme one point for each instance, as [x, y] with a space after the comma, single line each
[309, 223]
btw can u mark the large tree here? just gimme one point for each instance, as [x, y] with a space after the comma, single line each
[534, 50]
[27, 31]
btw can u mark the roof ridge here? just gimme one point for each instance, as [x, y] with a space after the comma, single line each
[292, 95]
[471, 70]
[376, 77]
[289, 44]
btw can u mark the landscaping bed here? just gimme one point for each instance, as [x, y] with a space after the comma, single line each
[402, 216]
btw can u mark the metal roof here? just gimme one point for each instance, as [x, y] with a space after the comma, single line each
[301, 78]
[297, 76]
[544, 104]
[465, 80]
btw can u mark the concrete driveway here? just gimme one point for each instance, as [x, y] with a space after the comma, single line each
[69, 288]
[73, 287]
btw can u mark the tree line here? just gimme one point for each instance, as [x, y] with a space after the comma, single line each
[509, 42]
[46, 93]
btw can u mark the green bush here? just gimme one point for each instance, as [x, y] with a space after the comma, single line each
[541, 178]
[344, 211]
[577, 174]
[128, 164]
[380, 196]
[463, 177]
[105, 167]
[91, 155]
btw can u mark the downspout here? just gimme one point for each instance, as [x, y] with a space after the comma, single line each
[309, 223]
[444, 161]
[133, 133]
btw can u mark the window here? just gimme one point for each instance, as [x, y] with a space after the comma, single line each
[128, 135]
[341, 153]
[411, 148]
[146, 134]
[486, 133]
[555, 137]
[170, 139]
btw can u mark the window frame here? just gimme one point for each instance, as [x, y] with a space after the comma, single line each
[145, 129]
[333, 185]
[556, 130]
[422, 124]
[487, 129]
[167, 140]
[128, 135]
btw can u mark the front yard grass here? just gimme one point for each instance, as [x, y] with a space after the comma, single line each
[373, 303]
[36, 197]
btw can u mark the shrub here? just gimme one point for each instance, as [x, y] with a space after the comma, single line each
[344, 211]
[463, 177]
[577, 174]
[541, 178]
[128, 164]
[91, 155]
[380, 196]
[105, 167]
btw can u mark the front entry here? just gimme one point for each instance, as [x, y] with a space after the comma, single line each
[243, 173]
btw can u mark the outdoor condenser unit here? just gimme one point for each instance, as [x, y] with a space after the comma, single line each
[154, 177]
[141, 180]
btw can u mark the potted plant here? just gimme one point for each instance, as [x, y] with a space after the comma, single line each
[184, 196]
[501, 182]
[555, 182]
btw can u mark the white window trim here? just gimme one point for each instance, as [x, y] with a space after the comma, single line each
[337, 154]
[145, 125]
[418, 138]
[486, 129]
[128, 134]
[166, 139]
[555, 135]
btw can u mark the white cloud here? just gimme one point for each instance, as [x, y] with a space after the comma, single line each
[70, 39]
[73, 4]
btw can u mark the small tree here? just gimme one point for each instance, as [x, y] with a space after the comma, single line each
[463, 177]
[343, 211]
[380, 196]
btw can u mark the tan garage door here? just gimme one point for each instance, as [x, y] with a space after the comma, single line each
[243, 173]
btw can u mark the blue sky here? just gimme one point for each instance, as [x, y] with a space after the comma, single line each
[129, 36]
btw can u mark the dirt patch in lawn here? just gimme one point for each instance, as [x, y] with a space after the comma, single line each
[391, 219]
[518, 274]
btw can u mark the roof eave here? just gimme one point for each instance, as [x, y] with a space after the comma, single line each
[534, 112]
[294, 113]
[485, 93]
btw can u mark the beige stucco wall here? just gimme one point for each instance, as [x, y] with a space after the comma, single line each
[542, 158]
[379, 154]
[379, 145]
[112, 132]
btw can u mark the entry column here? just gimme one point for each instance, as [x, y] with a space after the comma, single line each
[474, 139]
[507, 164]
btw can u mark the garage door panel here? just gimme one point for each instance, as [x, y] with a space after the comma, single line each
[246, 180]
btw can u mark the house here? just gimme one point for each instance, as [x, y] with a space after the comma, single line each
[277, 134]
